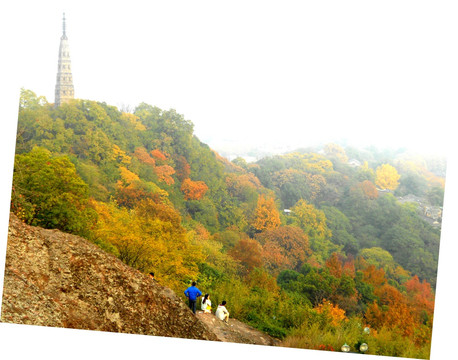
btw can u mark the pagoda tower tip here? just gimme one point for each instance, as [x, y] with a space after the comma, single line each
[64, 82]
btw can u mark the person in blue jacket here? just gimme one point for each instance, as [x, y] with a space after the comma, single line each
[192, 293]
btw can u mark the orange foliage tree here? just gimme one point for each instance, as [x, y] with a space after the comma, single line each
[159, 155]
[373, 276]
[369, 189]
[164, 173]
[335, 265]
[141, 154]
[193, 190]
[420, 296]
[284, 247]
[391, 311]
[130, 189]
[248, 252]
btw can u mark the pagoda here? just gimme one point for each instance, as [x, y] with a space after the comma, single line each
[64, 81]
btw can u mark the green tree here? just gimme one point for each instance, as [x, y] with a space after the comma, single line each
[48, 192]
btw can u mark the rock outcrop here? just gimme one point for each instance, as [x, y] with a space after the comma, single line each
[61, 280]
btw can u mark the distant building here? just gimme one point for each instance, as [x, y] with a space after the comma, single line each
[354, 163]
[64, 82]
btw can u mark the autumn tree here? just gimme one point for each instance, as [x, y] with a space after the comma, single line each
[335, 151]
[284, 247]
[313, 222]
[193, 190]
[335, 265]
[164, 174]
[159, 155]
[374, 276]
[421, 298]
[183, 169]
[387, 177]
[266, 215]
[332, 312]
[141, 154]
[369, 189]
[248, 252]
[130, 189]
[150, 237]
[244, 187]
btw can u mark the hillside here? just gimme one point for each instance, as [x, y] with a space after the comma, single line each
[61, 280]
[326, 237]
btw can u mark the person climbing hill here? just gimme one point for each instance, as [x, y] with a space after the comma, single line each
[192, 293]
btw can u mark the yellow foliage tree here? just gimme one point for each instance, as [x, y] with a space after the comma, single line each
[313, 222]
[149, 237]
[336, 151]
[120, 156]
[266, 215]
[332, 312]
[134, 120]
[387, 177]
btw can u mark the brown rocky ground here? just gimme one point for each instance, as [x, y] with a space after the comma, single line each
[61, 280]
[235, 331]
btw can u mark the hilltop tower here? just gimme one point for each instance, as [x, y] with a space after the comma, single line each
[64, 82]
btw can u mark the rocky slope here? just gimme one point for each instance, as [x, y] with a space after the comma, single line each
[61, 280]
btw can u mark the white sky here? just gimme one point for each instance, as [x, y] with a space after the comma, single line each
[275, 72]
[253, 72]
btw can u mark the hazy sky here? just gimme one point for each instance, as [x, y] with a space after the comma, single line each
[284, 72]
[289, 72]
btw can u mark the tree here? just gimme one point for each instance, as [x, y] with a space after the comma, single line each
[335, 151]
[335, 265]
[48, 192]
[248, 252]
[193, 190]
[313, 222]
[266, 215]
[142, 155]
[387, 177]
[164, 173]
[284, 247]
[150, 237]
[378, 257]
[369, 189]
[332, 312]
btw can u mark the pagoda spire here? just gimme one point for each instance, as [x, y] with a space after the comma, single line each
[64, 35]
[64, 82]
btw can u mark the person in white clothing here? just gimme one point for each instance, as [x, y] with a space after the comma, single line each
[222, 313]
[206, 304]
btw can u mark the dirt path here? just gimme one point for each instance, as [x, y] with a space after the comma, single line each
[236, 331]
